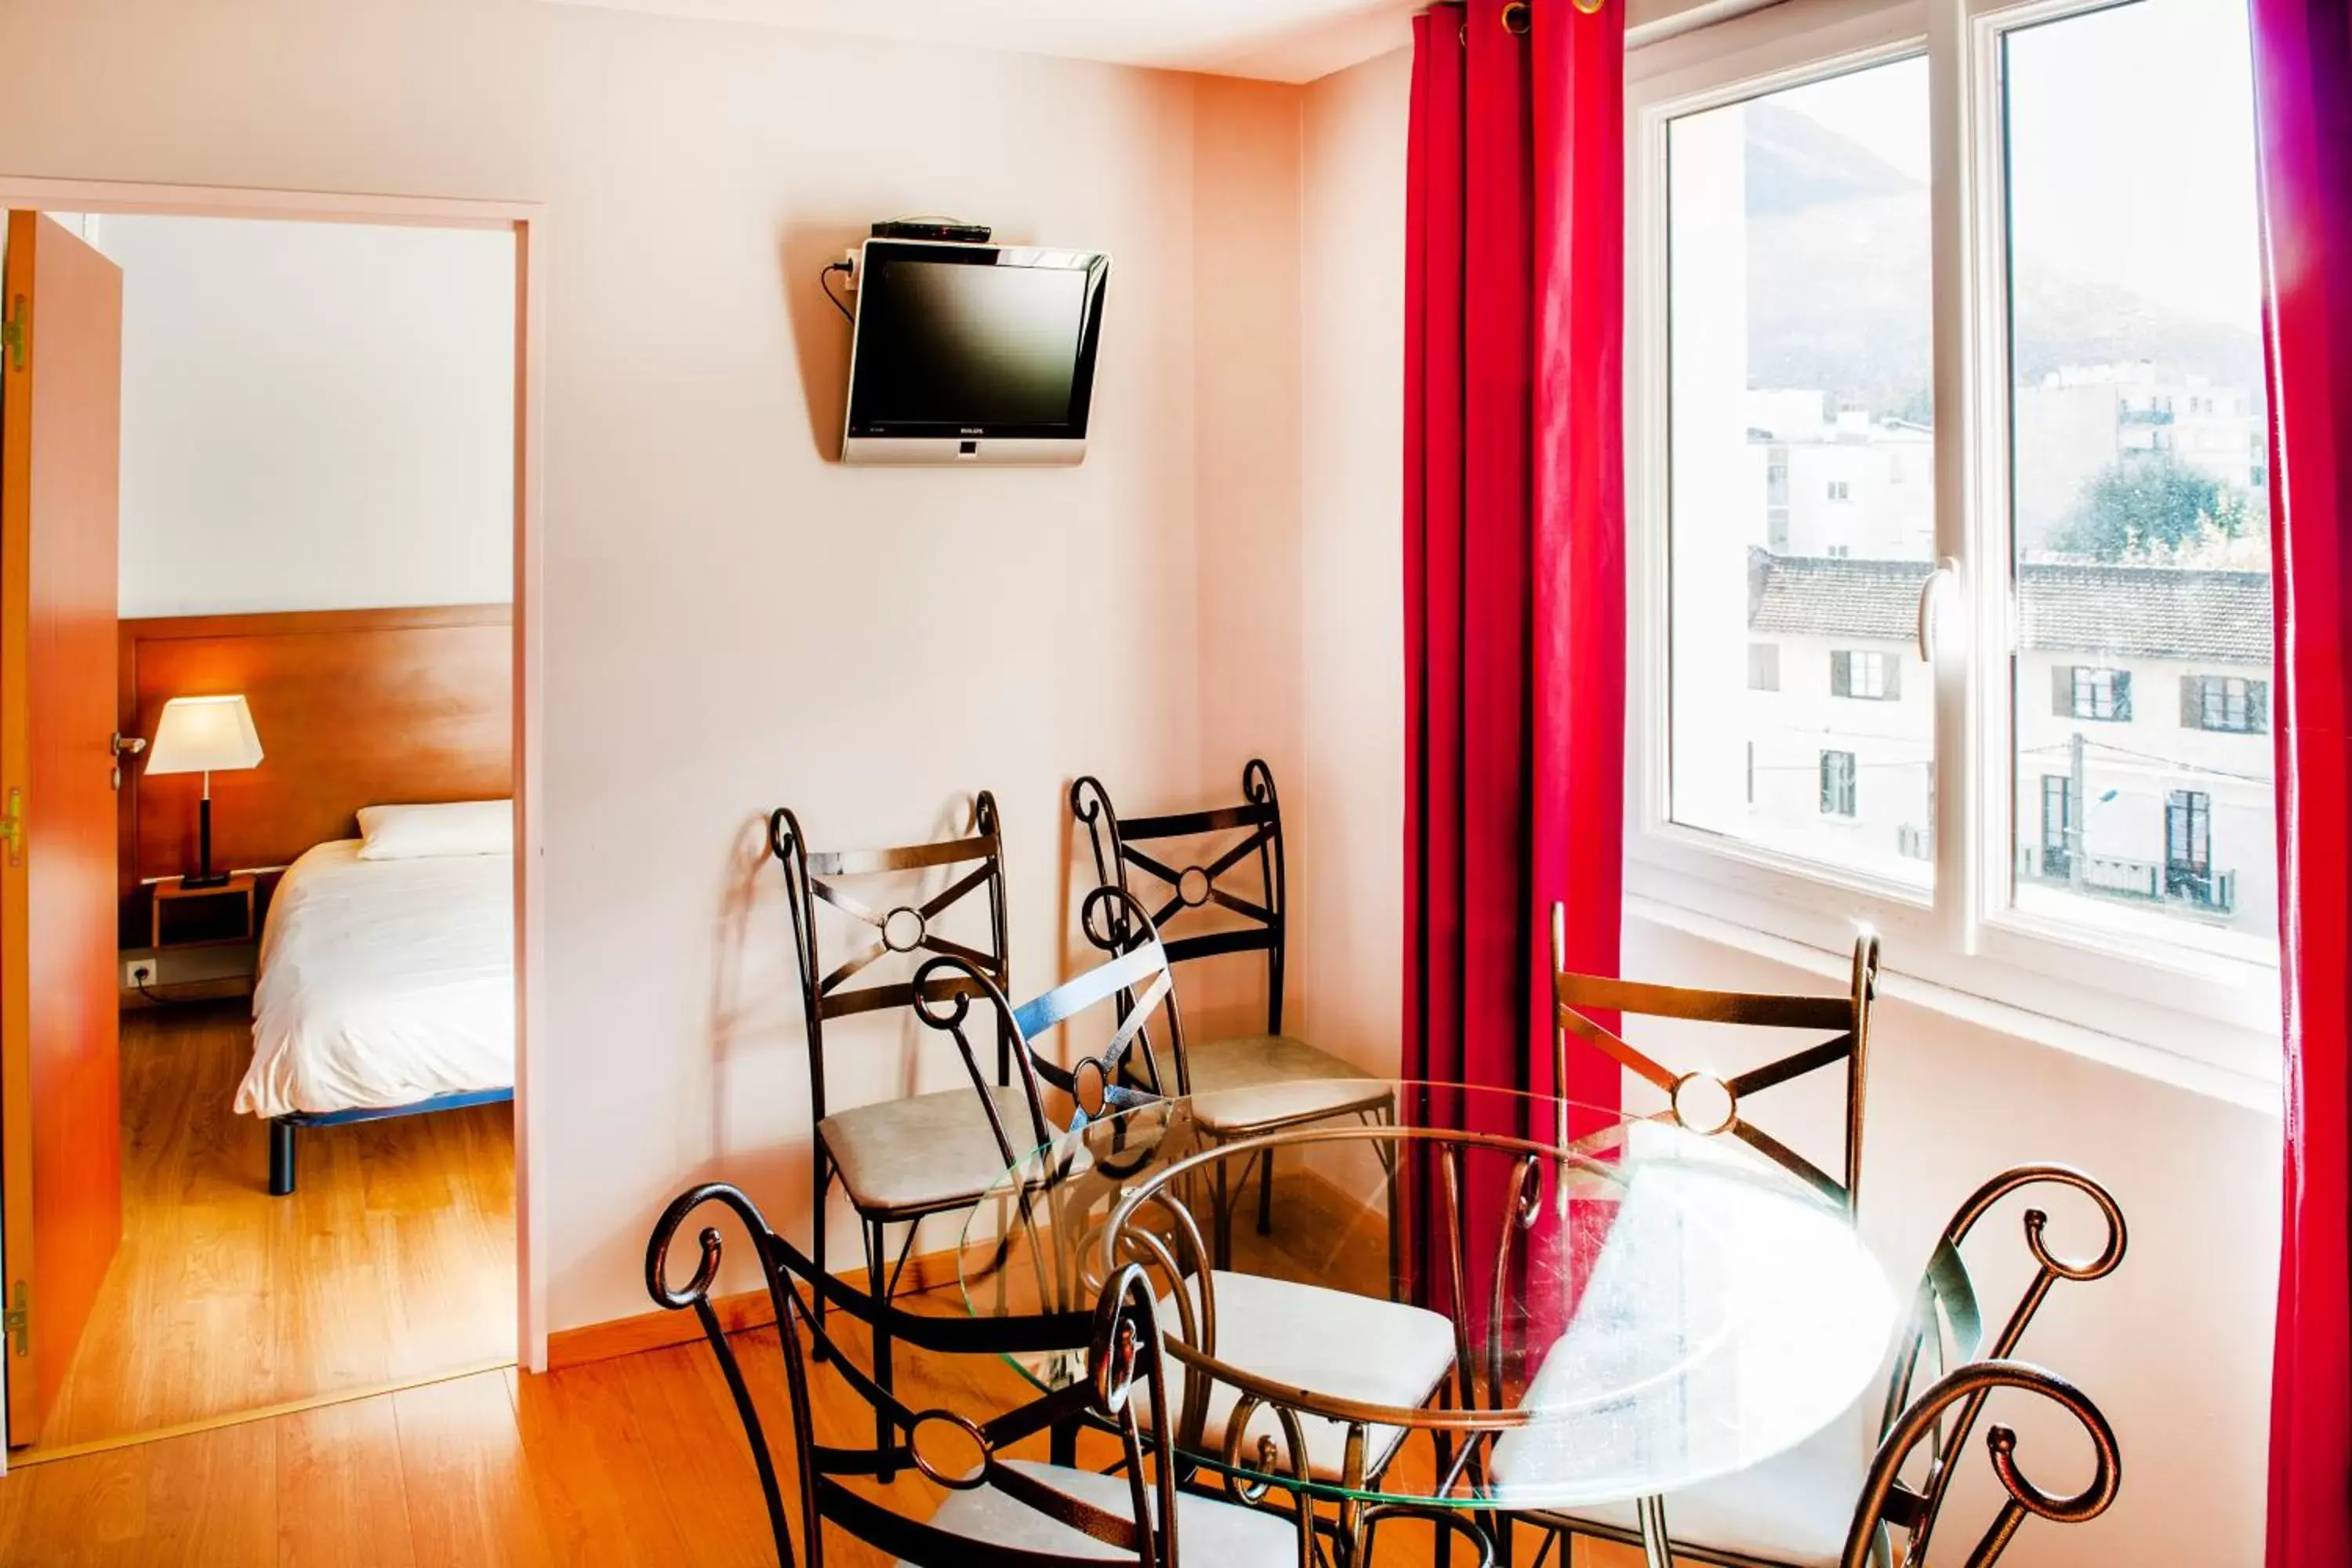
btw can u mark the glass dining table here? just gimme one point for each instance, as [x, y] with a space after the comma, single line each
[1465, 1299]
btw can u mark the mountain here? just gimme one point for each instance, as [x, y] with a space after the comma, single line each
[1838, 283]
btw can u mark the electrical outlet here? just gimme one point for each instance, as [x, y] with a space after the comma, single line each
[139, 972]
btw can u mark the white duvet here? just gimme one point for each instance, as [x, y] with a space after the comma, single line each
[382, 981]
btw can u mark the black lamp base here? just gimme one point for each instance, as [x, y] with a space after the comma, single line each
[205, 875]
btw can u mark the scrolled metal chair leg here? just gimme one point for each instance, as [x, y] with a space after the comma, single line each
[1657, 1548]
[1448, 1524]
[877, 1286]
[1265, 1195]
[818, 1349]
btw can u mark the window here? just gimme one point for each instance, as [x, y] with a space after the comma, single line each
[2189, 880]
[1763, 666]
[1828, 327]
[2057, 824]
[1837, 783]
[1767, 397]
[2225, 702]
[2084, 692]
[2136, 538]
[1874, 676]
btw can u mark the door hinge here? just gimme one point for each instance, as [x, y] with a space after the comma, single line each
[12, 825]
[12, 328]
[17, 1322]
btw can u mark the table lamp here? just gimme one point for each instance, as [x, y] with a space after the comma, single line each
[204, 735]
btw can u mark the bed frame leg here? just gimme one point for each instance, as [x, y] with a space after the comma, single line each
[281, 1157]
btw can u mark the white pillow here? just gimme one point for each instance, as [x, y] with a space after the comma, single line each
[416, 832]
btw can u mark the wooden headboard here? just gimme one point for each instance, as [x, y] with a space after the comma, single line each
[355, 707]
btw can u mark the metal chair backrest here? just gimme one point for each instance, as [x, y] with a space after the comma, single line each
[1125, 1379]
[1948, 1328]
[819, 877]
[1587, 1006]
[1127, 1071]
[1886, 1505]
[1251, 833]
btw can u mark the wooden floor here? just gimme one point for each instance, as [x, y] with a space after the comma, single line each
[637, 1460]
[394, 1259]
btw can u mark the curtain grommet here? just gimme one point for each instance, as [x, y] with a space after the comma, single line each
[1517, 18]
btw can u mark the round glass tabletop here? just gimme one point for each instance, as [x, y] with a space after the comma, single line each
[1453, 1296]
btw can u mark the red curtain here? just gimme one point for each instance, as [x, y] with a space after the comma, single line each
[1513, 536]
[2303, 91]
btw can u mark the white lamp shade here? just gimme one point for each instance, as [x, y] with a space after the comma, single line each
[204, 735]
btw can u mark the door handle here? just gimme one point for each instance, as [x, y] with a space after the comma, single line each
[123, 746]
[1946, 575]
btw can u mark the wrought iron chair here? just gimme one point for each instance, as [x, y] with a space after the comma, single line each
[1274, 1321]
[1128, 1071]
[1889, 1506]
[902, 1161]
[1709, 1105]
[997, 1510]
[1249, 1346]
[1249, 1084]
[1796, 1510]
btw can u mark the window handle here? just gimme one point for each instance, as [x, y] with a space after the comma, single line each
[1946, 574]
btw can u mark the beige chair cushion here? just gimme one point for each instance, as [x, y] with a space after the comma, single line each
[1328, 1341]
[926, 1152]
[1258, 1080]
[1221, 1534]
[1795, 1507]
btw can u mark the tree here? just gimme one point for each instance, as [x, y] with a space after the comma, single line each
[2141, 506]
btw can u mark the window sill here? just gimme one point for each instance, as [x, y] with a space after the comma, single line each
[2251, 1089]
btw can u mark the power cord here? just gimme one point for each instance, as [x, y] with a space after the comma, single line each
[825, 281]
[146, 991]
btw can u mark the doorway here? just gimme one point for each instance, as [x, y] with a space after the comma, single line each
[402, 1253]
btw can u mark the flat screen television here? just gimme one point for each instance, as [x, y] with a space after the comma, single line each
[973, 353]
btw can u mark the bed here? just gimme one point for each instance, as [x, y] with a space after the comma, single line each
[386, 988]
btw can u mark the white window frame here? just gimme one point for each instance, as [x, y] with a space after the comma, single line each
[2154, 984]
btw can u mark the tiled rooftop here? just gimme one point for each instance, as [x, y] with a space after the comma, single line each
[2189, 613]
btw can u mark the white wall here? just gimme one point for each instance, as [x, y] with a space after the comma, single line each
[2175, 1345]
[315, 416]
[1346, 797]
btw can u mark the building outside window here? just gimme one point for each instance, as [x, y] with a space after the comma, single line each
[1874, 676]
[2189, 845]
[2101, 694]
[1837, 783]
[2229, 704]
[1763, 666]
[2058, 812]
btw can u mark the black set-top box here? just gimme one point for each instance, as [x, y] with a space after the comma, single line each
[938, 230]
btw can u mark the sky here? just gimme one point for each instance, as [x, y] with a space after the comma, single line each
[2131, 147]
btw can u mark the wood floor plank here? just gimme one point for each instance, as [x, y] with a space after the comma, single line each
[343, 1500]
[598, 1477]
[472, 1497]
[707, 1482]
[212, 1501]
[81, 1512]
[393, 1258]
[635, 1460]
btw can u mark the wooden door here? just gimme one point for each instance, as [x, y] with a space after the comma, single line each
[60, 1098]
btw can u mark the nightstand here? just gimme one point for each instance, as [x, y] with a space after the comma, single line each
[202, 917]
